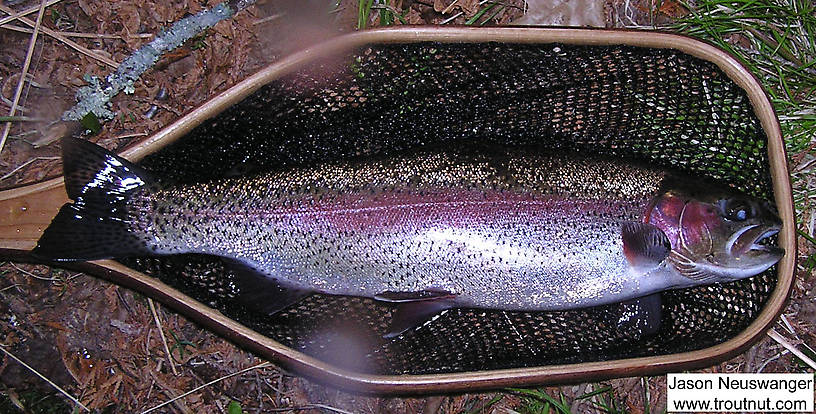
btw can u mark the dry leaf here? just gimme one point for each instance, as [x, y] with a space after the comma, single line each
[55, 325]
[441, 5]
[470, 7]
[86, 8]
[673, 9]
[413, 16]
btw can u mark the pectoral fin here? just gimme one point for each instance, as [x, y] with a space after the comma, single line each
[263, 293]
[644, 245]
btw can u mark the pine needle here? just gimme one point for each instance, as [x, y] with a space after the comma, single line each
[26, 65]
[261, 365]
[161, 335]
[26, 164]
[791, 347]
[51, 383]
[81, 34]
[68, 42]
[26, 12]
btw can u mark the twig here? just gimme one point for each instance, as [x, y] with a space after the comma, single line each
[309, 407]
[22, 109]
[135, 134]
[96, 97]
[20, 119]
[26, 12]
[788, 325]
[106, 36]
[26, 65]
[647, 396]
[433, 404]
[791, 347]
[450, 7]
[170, 392]
[25, 164]
[150, 388]
[68, 42]
[80, 34]
[26, 272]
[62, 391]
[330, 408]
[54, 131]
[452, 18]
[153, 102]
[267, 19]
[768, 361]
[261, 365]
[576, 403]
[122, 299]
[161, 334]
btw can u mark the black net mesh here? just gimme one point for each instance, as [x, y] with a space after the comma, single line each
[661, 105]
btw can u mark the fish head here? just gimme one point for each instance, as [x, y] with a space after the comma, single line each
[717, 235]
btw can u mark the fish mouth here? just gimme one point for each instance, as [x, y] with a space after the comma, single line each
[756, 241]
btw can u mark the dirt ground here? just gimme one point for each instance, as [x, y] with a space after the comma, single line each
[102, 342]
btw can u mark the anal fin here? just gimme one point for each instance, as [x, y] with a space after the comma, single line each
[408, 315]
[418, 296]
[263, 293]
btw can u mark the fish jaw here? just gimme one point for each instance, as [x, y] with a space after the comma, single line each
[717, 236]
[747, 250]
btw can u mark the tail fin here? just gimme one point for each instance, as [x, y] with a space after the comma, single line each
[96, 225]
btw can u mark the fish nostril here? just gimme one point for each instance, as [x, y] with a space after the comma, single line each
[772, 210]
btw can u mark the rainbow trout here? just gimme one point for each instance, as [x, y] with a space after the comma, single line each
[506, 230]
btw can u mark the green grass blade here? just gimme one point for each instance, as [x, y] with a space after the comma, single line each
[594, 393]
[489, 18]
[481, 13]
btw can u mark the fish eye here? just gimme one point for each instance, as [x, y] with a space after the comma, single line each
[736, 210]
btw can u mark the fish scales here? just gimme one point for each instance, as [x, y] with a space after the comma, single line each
[503, 228]
[545, 229]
